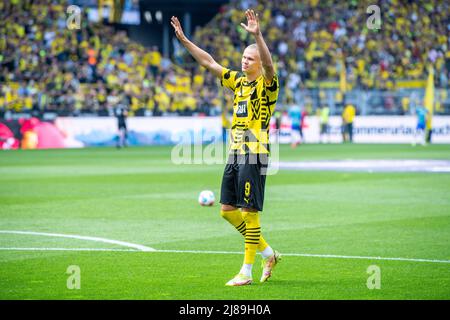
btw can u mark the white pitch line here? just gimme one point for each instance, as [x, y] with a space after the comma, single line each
[140, 248]
[68, 249]
[365, 258]
[332, 256]
[72, 236]
[315, 256]
[369, 165]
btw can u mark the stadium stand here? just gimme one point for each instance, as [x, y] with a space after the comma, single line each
[318, 47]
[47, 67]
[312, 40]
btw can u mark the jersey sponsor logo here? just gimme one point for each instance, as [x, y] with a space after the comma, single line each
[242, 110]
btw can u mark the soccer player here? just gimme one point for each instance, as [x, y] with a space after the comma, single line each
[121, 113]
[324, 116]
[303, 123]
[348, 117]
[295, 114]
[422, 115]
[242, 191]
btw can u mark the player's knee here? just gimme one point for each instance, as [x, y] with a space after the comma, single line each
[249, 214]
[227, 211]
[226, 207]
[251, 210]
[223, 214]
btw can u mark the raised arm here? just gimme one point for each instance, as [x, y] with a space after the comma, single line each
[252, 27]
[201, 56]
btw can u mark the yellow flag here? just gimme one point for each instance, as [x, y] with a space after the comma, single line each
[429, 96]
[343, 78]
[429, 91]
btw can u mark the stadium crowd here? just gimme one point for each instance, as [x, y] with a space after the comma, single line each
[46, 66]
[310, 40]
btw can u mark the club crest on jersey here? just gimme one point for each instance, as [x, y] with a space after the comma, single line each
[242, 109]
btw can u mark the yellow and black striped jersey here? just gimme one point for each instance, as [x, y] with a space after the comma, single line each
[254, 104]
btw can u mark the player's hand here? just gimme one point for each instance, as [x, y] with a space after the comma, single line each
[252, 22]
[178, 29]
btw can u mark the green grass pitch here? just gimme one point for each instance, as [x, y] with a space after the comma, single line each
[137, 195]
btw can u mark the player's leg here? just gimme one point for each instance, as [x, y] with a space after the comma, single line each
[418, 134]
[228, 199]
[302, 139]
[250, 196]
[428, 135]
[125, 136]
[231, 213]
[122, 136]
[414, 140]
[343, 132]
[119, 133]
[253, 240]
[350, 132]
[295, 136]
[235, 217]
[321, 139]
[270, 256]
[229, 210]
[423, 135]
[327, 133]
[299, 136]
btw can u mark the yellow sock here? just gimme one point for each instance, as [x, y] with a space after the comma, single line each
[262, 244]
[252, 235]
[235, 218]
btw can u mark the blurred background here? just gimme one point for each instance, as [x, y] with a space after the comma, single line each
[67, 67]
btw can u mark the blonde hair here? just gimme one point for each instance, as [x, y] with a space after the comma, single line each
[252, 46]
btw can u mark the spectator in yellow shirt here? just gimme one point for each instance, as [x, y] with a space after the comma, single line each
[348, 116]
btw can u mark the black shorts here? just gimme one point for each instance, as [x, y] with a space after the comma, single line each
[244, 180]
[122, 125]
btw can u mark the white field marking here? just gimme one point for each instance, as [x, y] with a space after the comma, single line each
[333, 256]
[68, 249]
[314, 256]
[95, 239]
[351, 165]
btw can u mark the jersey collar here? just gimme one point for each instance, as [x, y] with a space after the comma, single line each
[251, 83]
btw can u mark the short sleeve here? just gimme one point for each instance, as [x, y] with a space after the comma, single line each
[228, 79]
[272, 88]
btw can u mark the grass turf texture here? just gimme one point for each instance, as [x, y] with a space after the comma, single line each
[137, 195]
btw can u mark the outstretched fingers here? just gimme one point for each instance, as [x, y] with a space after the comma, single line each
[250, 14]
[177, 27]
[252, 22]
[173, 21]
